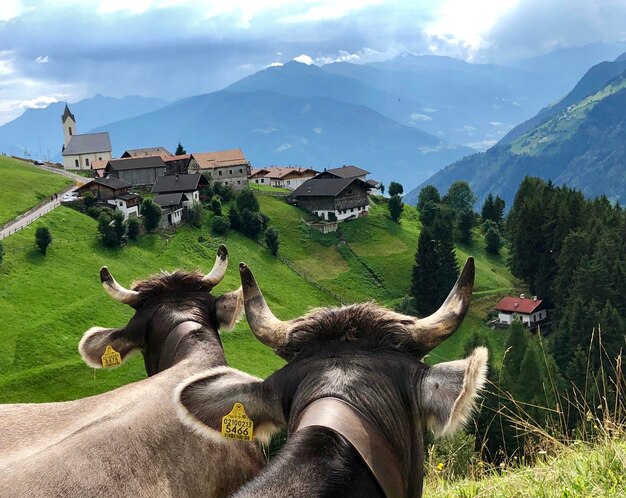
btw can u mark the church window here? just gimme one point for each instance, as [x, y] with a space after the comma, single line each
[86, 161]
[76, 163]
[70, 131]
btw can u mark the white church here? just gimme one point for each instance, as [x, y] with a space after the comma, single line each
[79, 151]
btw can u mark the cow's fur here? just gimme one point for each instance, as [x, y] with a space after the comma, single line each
[130, 442]
[359, 357]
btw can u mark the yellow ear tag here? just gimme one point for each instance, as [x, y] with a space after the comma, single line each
[237, 425]
[111, 358]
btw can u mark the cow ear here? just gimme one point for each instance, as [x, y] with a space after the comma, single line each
[229, 308]
[448, 391]
[94, 344]
[207, 397]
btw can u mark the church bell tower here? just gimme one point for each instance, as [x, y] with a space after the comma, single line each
[69, 125]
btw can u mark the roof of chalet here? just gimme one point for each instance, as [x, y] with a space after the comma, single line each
[147, 151]
[110, 182]
[181, 157]
[514, 304]
[135, 163]
[347, 171]
[176, 183]
[325, 187]
[128, 197]
[373, 183]
[67, 114]
[282, 171]
[258, 172]
[167, 200]
[220, 159]
[88, 143]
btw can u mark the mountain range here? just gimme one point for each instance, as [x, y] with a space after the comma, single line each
[579, 141]
[403, 119]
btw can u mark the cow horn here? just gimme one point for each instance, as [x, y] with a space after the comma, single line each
[264, 325]
[431, 331]
[216, 275]
[115, 290]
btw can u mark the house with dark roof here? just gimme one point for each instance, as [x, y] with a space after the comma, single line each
[114, 193]
[138, 171]
[188, 186]
[281, 176]
[172, 207]
[532, 312]
[79, 151]
[177, 165]
[228, 167]
[333, 199]
[147, 151]
[346, 171]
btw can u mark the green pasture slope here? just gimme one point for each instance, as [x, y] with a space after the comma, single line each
[23, 186]
[47, 303]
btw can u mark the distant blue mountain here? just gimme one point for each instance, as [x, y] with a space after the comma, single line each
[38, 132]
[272, 128]
[470, 104]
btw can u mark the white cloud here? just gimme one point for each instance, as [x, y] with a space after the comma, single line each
[275, 64]
[317, 130]
[429, 109]
[265, 131]
[283, 147]
[10, 9]
[42, 59]
[419, 117]
[326, 10]
[304, 59]
[38, 102]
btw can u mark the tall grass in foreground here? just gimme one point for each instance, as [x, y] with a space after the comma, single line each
[578, 450]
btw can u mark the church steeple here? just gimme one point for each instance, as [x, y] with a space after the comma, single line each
[69, 125]
[67, 114]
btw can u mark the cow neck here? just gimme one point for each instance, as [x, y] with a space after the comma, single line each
[170, 347]
[368, 441]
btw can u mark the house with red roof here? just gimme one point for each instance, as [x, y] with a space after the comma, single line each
[531, 311]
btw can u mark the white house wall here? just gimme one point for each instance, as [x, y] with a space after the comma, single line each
[343, 214]
[69, 162]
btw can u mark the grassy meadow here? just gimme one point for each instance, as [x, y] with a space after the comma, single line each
[23, 186]
[48, 302]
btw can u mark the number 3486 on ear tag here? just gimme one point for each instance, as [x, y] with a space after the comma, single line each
[237, 425]
[111, 358]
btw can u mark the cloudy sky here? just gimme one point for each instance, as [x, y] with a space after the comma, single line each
[71, 49]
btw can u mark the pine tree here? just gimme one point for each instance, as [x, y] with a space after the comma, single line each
[180, 150]
[43, 239]
[488, 210]
[428, 194]
[395, 207]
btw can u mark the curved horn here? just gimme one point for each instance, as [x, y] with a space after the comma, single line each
[264, 325]
[431, 331]
[115, 290]
[219, 268]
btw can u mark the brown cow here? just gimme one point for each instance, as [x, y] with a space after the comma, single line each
[355, 394]
[130, 442]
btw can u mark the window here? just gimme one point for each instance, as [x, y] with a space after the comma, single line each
[86, 161]
[99, 158]
[240, 170]
[230, 171]
[262, 180]
[70, 131]
[288, 182]
[238, 182]
[76, 163]
[219, 172]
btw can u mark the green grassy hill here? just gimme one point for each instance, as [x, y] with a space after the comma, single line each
[47, 303]
[23, 186]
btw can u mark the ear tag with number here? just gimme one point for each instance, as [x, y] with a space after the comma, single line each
[237, 425]
[111, 358]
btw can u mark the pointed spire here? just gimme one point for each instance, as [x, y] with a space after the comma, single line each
[67, 114]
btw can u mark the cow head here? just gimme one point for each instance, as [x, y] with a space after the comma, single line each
[161, 303]
[364, 354]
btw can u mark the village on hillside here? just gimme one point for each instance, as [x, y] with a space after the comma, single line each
[332, 195]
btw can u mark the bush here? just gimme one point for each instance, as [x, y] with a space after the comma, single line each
[195, 215]
[395, 207]
[220, 225]
[89, 200]
[151, 213]
[43, 239]
[226, 192]
[395, 188]
[251, 223]
[271, 239]
[94, 212]
[493, 241]
[216, 205]
[247, 200]
[235, 218]
[134, 228]
[206, 193]
[110, 229]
